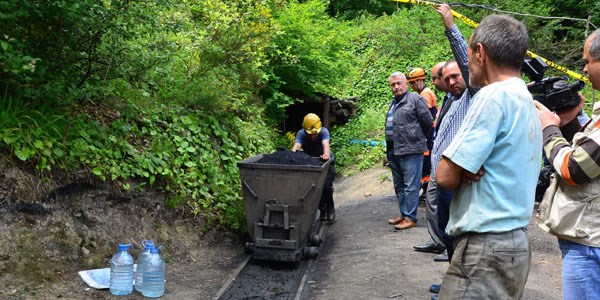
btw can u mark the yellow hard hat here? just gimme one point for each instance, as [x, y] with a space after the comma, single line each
[414, 74]
[311, 124]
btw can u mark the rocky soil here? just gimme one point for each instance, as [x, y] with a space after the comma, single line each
[52, 229]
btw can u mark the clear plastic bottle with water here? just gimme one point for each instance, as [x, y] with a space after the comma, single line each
[121, 272]
[154, 275]
[141, 265]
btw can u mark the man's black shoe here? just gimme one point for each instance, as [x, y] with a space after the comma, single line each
[430, 247]
[442, 257]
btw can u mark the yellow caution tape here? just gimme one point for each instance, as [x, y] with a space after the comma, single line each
[560, 68]
[474, 24]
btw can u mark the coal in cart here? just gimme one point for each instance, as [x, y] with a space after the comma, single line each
[281, 193]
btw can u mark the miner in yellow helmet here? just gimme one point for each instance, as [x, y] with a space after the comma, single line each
[313, 139]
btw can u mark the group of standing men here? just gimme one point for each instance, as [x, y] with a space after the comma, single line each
[485, 161]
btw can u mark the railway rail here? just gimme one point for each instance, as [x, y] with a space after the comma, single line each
[263, 279]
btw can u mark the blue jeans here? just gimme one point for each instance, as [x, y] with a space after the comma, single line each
[581, 271]
[406, 172]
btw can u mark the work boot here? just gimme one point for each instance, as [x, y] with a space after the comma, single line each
[322, 214]
[331, 215]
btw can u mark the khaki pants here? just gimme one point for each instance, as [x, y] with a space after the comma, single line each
[488, 266]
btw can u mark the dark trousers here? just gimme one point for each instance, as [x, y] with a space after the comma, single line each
[426, 165]
[326, 203]
[444, 198]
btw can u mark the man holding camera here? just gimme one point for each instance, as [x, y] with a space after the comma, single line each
[570, 209]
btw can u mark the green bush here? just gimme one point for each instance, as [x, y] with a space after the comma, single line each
[172, 94]
[162, 94]
[411, 37]
[309, 55]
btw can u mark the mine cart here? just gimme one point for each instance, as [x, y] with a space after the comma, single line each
[281, 202]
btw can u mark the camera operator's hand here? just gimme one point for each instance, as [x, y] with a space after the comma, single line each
[569, 114]
[446, 14]
[560, 118]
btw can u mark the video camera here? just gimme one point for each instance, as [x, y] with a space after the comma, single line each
[554, 92]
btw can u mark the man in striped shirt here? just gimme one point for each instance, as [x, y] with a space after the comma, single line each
[408, 122]
[576, 201]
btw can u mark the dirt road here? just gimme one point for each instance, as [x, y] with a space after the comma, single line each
[364, 258]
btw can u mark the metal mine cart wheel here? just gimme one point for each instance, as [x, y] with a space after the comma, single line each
[281, 202]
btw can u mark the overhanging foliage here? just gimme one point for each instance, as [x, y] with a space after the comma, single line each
[172, 93]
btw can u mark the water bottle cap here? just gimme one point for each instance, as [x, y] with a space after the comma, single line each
[148, 244]
[124, 247]
[154, 250]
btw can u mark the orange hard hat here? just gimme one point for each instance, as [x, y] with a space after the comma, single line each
[415, 73]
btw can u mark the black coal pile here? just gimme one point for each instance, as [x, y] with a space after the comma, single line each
[284, 157]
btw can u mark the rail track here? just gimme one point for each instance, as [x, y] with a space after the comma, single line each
[261, 279]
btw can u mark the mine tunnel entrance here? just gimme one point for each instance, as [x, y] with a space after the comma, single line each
[331, 111]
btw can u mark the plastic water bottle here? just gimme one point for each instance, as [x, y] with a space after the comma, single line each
[154, 275]
[141, 267]
[121, 272]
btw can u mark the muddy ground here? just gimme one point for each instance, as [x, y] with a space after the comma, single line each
[47, 239]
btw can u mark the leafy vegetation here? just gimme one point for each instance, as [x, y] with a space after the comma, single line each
[166, 95]
[172, 94]
[308, 56]
[413, 36]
